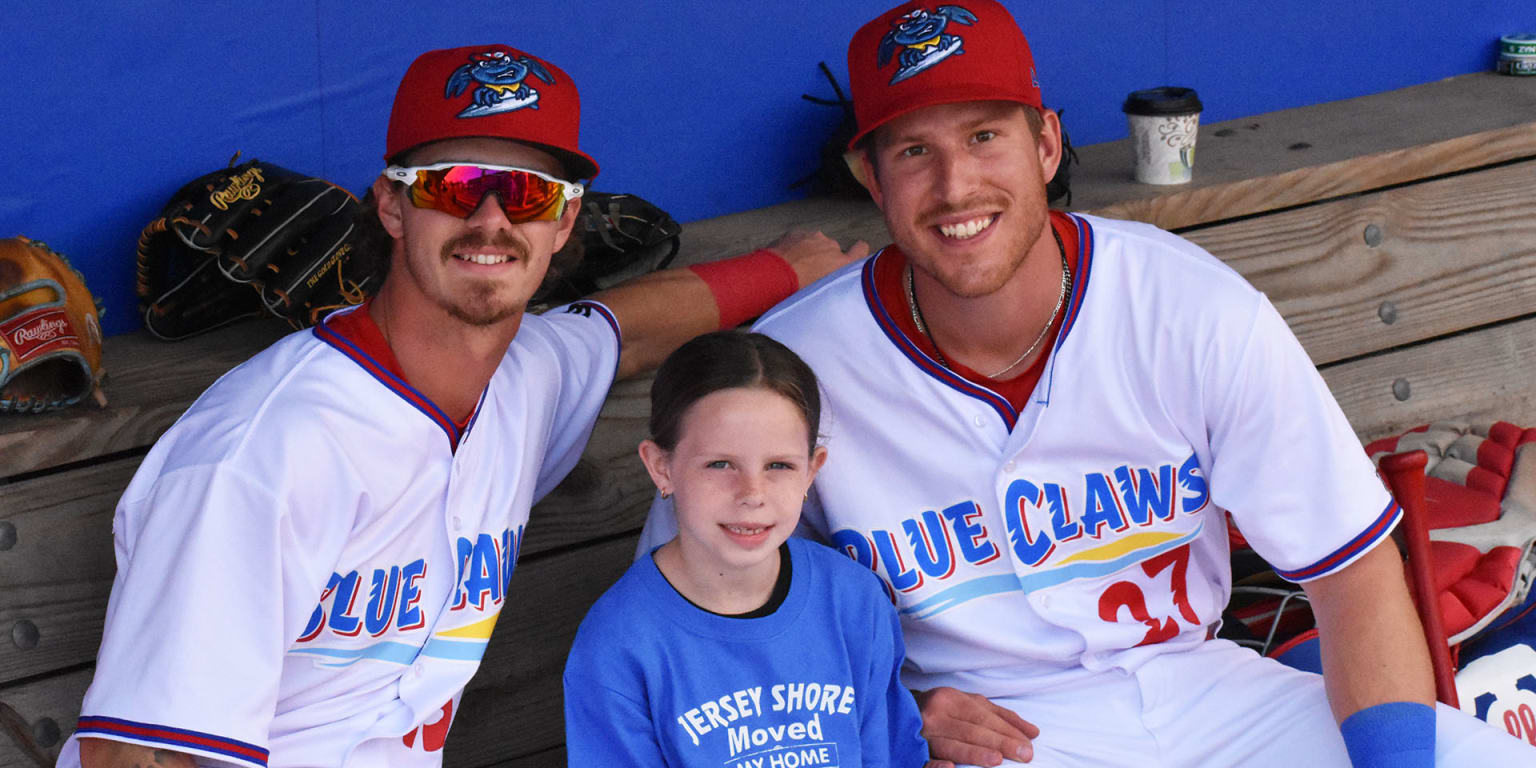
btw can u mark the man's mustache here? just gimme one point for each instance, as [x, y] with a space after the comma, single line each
[501, 241]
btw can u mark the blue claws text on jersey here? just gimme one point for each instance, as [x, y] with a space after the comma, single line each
[1039, 517]
[389, 597]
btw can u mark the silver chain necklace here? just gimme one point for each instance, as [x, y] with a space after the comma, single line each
[917, 315]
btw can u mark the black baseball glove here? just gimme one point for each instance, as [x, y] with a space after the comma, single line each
[248, 240]
[618, 237]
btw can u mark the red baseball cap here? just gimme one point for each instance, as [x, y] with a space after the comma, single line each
[919, 54]
[493, 91]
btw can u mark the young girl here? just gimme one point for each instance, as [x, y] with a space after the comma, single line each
[733, 644]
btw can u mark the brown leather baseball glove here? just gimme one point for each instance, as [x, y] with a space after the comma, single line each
[50, 331]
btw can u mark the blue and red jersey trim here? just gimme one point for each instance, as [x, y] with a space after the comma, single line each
[181, 738]
[1376, 531]
[1082, 269]
[613, 323]
[1082, 261]
[388, 378]
[921, 359]
[388, 375]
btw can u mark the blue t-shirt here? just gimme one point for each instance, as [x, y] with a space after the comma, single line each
[653, 680]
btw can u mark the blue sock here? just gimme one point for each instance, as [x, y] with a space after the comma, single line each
[1400, 734]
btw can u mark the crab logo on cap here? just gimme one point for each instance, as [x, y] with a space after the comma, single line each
[922, 41]
[497, 83]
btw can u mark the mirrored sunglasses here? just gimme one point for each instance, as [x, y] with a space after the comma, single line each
[458, 188]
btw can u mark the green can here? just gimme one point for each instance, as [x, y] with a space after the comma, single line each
[1516, 65]
[1517, 45]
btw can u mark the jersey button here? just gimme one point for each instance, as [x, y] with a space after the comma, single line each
[457, 523]
[976, 420]
[416, 669]
[1009, 467]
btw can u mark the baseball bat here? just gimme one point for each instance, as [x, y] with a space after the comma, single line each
[1405, 478]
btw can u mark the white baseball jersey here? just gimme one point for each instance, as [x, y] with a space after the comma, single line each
[310, 562]
[1087, 531]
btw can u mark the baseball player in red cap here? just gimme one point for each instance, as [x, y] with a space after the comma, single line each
[1039, 423]
[310, 562]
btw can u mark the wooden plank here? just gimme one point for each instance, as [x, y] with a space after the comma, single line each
[149, 383]
[59, 571]
[513, 708]
[1454, 253]
[1478, 376]
[1300, 155]
[841, 219]
[48, 708]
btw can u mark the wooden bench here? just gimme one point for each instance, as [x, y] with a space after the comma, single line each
[1395, 232]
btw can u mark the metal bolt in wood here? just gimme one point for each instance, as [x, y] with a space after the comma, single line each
[7, 535]
[1387, 312]
[1373, 235]
[24, 634]
[1400, 389]
[46, 732]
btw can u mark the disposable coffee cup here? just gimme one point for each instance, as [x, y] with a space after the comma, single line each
[1164, 123]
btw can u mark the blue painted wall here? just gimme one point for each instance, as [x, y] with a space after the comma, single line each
[694, 104]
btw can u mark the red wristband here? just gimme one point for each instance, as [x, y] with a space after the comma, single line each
[747, 286]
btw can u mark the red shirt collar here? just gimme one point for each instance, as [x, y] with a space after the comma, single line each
[359, 328]
[888, 274]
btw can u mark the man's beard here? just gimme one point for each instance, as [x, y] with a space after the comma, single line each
[477, 306]
[1011, 243]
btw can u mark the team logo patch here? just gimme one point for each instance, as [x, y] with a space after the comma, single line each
[498, 83]
[918, 40]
